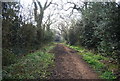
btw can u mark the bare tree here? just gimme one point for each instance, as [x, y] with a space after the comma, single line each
[39, 16]
[79, 7]
[64, 30]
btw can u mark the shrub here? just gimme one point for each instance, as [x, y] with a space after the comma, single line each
[8, 57]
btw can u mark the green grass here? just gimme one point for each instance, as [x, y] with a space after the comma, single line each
[95, 61]
[31, 66]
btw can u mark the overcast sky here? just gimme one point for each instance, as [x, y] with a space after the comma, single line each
[58, 11]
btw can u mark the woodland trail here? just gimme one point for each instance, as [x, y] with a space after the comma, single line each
[70, 65]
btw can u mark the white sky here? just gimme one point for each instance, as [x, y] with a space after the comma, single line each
[55, 10]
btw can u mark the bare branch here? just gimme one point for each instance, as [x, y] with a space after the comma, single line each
[60, 28]
[39, 4]
[69, 8]
[35, 5]
[47, 5]
[27, 19]
[62, 17]
[74, 7]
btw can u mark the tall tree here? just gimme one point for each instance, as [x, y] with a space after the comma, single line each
[39, 17]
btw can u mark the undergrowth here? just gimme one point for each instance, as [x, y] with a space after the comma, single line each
[32, 66]
[95, 61]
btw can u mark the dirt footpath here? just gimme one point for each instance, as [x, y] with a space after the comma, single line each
[69, 65]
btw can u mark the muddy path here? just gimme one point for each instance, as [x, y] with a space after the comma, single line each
[70, 65]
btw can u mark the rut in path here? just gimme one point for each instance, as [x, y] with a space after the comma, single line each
[69, 65]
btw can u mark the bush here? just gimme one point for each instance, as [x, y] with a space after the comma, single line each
[8, 57]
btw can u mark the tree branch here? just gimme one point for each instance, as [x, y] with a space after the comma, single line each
[47, 5]
[39, 5]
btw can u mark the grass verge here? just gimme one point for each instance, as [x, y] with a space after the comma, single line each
[95, 60]
[32, 66]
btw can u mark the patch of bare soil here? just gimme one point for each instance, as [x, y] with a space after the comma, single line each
[70, 65]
